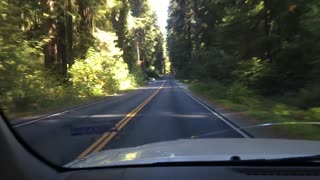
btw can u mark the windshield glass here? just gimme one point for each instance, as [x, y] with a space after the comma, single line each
[82, 79]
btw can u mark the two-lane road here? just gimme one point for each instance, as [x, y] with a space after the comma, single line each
[159, 112]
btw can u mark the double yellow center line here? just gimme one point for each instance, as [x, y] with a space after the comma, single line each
[103, 140]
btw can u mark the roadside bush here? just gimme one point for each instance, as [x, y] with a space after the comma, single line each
[282, 110]
[34, 90]
[239, 93]
[251, 71]
[29, 86]
[309, 97]
[260, 75]
[198, 86]
[217, 90]
[139, 77]
[313, 114]
[212, 63]
[99, 75]
[103, 71]
[212, 89]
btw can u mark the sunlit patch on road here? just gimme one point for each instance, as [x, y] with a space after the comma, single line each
[107, 115]
[169, 114]
[148, 88]
[98, 116]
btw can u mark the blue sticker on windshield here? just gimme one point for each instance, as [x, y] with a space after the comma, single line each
[92, 129]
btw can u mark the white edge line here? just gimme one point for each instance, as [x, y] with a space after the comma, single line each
[70, 110]
[214, 113]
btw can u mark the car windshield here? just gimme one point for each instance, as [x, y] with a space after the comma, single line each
[92, 82]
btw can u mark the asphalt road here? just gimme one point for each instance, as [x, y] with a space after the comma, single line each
[161, 111]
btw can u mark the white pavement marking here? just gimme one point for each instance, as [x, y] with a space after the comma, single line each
[216, 114]
[70, 110]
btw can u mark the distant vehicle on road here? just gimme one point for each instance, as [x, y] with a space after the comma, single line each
[152, 79]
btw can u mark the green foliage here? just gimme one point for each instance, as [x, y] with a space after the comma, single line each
[269, 46]
[264, 54]
[309, 97]
[211, 64]
[139, 77]
[262, 110]
[55, 53]
[103, 71]
[314, 114]
[281, 110]
[239, 93]
[26, 85]
[236, 93]
[212, 89]
[252, 71]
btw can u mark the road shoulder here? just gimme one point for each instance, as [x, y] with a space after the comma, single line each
[238, 118]
[57, 111]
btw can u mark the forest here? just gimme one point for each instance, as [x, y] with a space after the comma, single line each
[268, 46]
[260, 57]
[59, 52]
[262, 54]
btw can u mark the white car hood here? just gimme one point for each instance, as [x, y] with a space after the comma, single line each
[200, 150]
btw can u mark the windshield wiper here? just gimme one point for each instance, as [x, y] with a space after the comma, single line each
[236, 160]
[313, 158]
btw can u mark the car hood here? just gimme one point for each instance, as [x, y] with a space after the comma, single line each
[200, 150]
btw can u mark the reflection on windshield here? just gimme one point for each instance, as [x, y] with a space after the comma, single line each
[79, 77]
[130, 156]
[246, 128]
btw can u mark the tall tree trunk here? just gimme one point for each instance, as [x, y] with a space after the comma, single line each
[189, 44]
[121, 32]
[119, 22]
[139, 53]
[69, 34]
[49, 28]
[138, 61]
[61, 42]
[86, 16]
[197, 24]
[267, 27]
[86, 26]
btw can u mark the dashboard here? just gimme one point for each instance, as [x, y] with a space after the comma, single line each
[198, 172]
